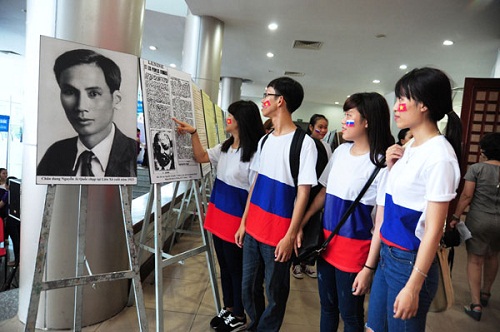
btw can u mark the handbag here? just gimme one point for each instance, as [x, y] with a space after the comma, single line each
[313, 237]
[445, 295]
[313, 252]
[451, 237]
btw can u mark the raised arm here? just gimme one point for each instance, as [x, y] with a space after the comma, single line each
[200, 154]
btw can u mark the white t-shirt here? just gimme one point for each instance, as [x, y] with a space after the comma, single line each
[274, 193]
[344, 177]
[230, 169]
[427, 173]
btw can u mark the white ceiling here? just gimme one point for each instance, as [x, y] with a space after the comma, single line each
[351, 57]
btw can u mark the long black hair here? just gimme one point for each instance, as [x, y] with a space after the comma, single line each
[250, 128]
[313, 120]
[373, 107]
[432, 87]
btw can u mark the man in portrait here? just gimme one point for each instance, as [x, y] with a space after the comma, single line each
[90, 94]
[163, 152]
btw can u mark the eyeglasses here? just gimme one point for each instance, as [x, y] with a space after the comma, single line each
[265, 95]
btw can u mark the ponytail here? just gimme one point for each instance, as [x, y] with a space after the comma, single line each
[454, 133]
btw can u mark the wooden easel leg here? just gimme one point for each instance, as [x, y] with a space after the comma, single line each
[36, 287]
[133, 261]
[80, 257]
[208, 253]
[158, 260]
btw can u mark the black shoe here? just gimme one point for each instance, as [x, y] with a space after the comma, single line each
[485, 298]
[220, 318]
[233, 324]
[474, 311]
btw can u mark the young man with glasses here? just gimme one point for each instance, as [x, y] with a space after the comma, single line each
[275, 207]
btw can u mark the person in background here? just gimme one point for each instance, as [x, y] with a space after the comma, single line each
[404, 136]
[138, 141]
[229, 195]
[12, 225]
[3, 177]
[317, 129]
[423, 179]
[482, 193]
[345, 269]
[274, 208]
[268, 126]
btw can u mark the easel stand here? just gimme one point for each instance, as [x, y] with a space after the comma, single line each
[163, 259]
[79, 280]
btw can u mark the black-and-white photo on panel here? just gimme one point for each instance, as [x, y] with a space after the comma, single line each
[87, 109]
[166, 93]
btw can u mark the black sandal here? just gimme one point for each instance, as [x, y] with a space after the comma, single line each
[485, 298]
[472, 311]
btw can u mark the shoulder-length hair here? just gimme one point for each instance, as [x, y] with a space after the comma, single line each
[250, 128]
[432, 87]
[373, 107]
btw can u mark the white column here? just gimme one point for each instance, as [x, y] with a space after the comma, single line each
[230, 91]
[202, 52]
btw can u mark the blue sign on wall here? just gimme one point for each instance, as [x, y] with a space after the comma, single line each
[4, 123]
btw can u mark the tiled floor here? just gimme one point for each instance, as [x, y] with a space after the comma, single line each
[188, 302]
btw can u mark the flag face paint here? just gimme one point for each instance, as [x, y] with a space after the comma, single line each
[267, 103]
[349, 123]
[316, 130]
[229, 121]
[402, 108]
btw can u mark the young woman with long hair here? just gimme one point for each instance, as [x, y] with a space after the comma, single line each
[346, 267]
[228, 199]
[422, 180]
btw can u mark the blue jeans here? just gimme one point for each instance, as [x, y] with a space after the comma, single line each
[394, 270]
[335, 294]
[259, 266]
[230, 258]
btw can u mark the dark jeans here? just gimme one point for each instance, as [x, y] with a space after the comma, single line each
[259, 266]
[335, 294]
[13, 229]
[394, 270]
[230, 258]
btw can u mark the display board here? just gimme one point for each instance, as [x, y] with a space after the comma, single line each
[221, 123]
[210, 122]
[86, 115]
[167, 93]
[200, 124]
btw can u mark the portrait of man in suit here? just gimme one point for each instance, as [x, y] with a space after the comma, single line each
[89, 84]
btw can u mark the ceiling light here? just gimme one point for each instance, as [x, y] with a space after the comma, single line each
[152, 48]
[173, 65]
[376, 81]
[448, 42]
[272, 26]
[336, 103]
[269, 54]
[403, 67]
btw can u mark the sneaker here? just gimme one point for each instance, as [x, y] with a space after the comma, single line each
[220, 318]
[310, 270]
[297, 271]
[233, 324]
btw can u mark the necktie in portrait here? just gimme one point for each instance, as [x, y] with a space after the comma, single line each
[85, 160]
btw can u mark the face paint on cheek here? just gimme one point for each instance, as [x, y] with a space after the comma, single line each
[349, 123]
[402, 108]
[267, 103]
[316, 130]
[229, 121]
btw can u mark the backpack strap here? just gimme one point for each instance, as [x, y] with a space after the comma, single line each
[265, 139]
[298, 139]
